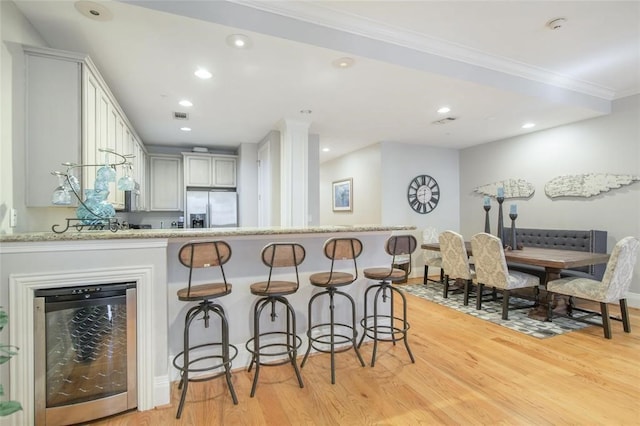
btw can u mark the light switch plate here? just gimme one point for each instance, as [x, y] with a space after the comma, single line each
[13, 218]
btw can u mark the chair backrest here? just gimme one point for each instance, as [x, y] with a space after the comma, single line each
[490, 264]
[283, 255]
[617, 276]
[455, 260]
[430, 235]
[340, 249]
[204, 254]
[401, 246]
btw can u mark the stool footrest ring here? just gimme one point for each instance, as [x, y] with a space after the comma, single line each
[233, 353]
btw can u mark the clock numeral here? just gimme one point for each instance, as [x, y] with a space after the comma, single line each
[415, 183]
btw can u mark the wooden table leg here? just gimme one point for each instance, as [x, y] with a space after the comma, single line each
[558, 302]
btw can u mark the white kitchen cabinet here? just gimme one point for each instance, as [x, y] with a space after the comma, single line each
[207, 170]
[53, 123]
[165, 183]
[71, 114]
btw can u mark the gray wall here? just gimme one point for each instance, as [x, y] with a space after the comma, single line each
[609, 144]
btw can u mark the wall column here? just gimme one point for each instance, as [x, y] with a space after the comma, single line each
[294, 172]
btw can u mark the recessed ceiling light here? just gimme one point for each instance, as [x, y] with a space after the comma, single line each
[185, 103]
[185, 129]
[239, 41]
[528, 125]
[202, 73]
[343, 63]
[325, 150]
[444, 110]
[95, 11]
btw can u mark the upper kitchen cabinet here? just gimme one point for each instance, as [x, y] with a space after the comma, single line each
[208, 170]
[53, 122]
[165, 183]
[71, 114]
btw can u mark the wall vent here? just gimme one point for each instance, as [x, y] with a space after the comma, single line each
[444, 120]
[180, 115]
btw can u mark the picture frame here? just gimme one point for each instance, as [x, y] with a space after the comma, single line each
[342, 195]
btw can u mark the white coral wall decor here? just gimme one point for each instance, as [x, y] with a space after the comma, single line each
[513, 188]
[586, 185]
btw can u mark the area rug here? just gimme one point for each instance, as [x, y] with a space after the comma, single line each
[492, 311]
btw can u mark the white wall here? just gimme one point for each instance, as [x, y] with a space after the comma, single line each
[363, 166]
[381, 175]
[15, 29]
[247, 184]
[609, 144]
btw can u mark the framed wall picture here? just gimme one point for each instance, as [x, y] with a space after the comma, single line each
[343, 195]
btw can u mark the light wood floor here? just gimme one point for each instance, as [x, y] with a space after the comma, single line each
[467, 371]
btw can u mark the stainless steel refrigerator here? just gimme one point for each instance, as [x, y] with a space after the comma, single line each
[211, 208]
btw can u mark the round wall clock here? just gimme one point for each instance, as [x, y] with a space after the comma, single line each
[423, 194]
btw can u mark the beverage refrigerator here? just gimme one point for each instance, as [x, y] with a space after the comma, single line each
[211, 208]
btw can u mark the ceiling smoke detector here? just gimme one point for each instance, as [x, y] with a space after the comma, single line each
[556, 24]
[92, 10]
[444, 121]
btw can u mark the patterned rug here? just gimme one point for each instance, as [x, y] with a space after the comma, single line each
[492, 311]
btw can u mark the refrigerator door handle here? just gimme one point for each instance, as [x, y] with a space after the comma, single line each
[207, 220]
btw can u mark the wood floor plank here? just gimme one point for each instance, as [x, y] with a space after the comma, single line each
[467, 371]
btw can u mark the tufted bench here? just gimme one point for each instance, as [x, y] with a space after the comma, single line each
[562, 239]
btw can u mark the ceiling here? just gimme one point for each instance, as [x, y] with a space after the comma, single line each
[496, 64]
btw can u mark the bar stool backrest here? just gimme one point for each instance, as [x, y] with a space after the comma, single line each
[204, 254]
[282, 255]
[401, 246]
[343, 249]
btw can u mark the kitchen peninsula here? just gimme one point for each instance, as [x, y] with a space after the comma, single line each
[148, 257]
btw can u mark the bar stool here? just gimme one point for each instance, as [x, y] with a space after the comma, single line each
[385, 327]
[197, 255]
[276, 255]
[338, 250]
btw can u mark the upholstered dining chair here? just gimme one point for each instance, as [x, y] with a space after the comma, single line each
[431, 258]
[455, 261]
[612, 288]
[491, 270]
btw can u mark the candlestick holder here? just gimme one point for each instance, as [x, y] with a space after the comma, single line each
[500, 233]
[487, 228]
[514, 243]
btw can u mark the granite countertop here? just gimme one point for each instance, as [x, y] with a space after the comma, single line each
[179, 233]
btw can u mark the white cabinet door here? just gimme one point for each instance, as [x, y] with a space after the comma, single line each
[53, 123]
[198, 171]
[206, 170]
[166, 189]
[225, 172]
[92, 94]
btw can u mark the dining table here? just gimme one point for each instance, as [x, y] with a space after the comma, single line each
[554, 261]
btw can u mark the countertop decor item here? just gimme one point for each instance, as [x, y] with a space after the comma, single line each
[95, 212]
